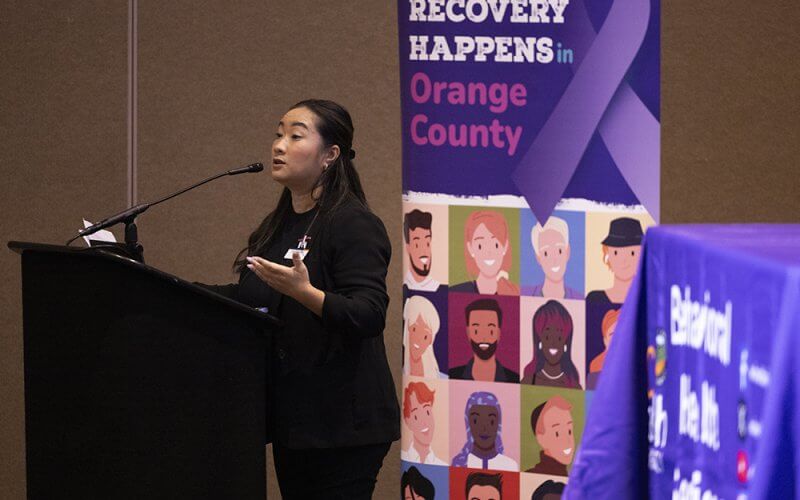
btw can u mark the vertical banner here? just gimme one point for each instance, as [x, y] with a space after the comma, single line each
[531, 144]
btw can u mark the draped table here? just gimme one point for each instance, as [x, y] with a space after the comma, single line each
[699, 395]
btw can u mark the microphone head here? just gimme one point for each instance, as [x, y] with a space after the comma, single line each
[255, 167]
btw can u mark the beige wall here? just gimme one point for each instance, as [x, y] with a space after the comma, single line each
[62, 157]
[213, 78]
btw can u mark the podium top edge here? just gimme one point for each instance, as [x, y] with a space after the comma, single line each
[21, 247]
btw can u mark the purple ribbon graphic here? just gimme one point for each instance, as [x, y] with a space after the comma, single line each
[597, 98]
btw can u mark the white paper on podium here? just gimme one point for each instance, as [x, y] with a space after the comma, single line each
[101, 235]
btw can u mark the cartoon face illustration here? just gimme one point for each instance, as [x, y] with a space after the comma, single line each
[420, 416]
[487, 255]
[420, 337]
[556, 437]
[421, 324]
[551, 246]
[622, 246]
[553, 254]
[417, 235]
[623, 261]
[483, 486]
[487, 250]
[548, 490]
[483, 331]
[415, 486]
[483, 492]
[419, 250]
[483, 424]
[552, 425]
[553, 339]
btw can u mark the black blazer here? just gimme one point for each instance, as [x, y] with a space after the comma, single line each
[331, 381]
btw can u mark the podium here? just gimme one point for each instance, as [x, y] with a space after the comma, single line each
[139, 384]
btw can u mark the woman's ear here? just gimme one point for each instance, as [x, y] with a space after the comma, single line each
[331, 155]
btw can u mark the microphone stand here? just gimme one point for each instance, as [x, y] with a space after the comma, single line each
[132, 248]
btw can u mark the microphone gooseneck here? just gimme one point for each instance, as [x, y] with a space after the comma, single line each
[129, 214]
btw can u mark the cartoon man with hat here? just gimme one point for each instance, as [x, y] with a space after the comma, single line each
[621, 250]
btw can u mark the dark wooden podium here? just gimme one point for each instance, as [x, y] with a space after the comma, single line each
[138, 384]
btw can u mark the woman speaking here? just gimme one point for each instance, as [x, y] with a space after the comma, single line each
[318, 261]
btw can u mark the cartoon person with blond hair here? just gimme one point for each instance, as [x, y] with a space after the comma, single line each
[621, 250]
[420, 326]
[551, 246]
[487, 254]
[551, 423]
[607, 327]
[418, 401]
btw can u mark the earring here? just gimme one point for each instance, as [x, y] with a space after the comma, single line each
[565, 348]
[540, 346]
[605, 259]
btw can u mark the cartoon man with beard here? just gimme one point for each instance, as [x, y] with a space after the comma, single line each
[484, 325]
[417, 235]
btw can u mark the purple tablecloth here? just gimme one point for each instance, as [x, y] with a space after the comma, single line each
[700, 386]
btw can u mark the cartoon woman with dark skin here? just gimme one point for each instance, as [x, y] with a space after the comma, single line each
[483, 449]
[420, 326]
[552, 347]
[607, 327]
[487, 254]
[621, 250]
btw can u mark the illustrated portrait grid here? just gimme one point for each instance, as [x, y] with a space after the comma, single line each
[425, 333]
[601, 323]
[484, 422]
[552, 256]
[613, 242]
[476, 484]
[552, 342]
[541, 487]
[425, 246]
[551, 424]
[424, 421]
[483, 330]
[424, 482]
[484, 250]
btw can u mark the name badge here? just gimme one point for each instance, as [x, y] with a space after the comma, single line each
[292, 251]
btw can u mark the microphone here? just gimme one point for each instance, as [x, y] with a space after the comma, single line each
[255, 167]
[129, 214]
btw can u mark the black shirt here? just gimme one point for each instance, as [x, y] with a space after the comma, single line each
[501, 373]
[251, 290]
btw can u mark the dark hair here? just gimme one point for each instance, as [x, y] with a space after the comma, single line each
[339, 182]
[414, 219]
[420, 485]
[482, 479]
[535, 414]
[552, 311]
[548, 487]
[484, 305]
